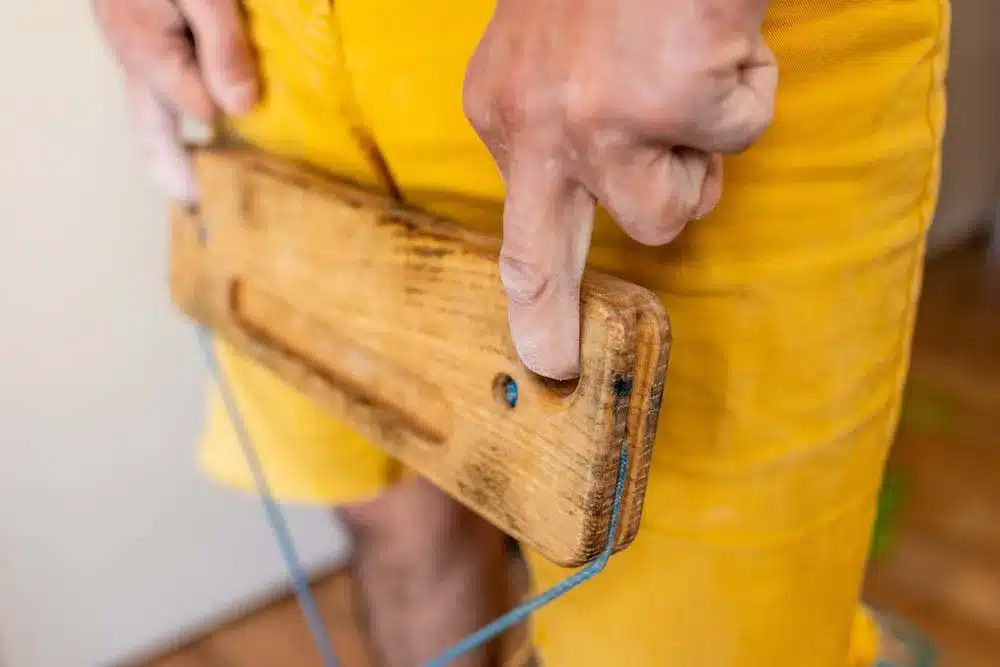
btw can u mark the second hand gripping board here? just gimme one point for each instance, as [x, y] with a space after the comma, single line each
[396, 322]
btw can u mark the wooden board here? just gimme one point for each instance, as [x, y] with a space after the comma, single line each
[396, 322]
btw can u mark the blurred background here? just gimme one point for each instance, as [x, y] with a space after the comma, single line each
[98, 375]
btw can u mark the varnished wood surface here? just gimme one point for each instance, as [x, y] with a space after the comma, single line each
[942, 570]
[397, 323]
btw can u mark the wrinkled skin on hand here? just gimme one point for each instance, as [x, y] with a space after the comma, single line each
[180, 58]
[628, 104]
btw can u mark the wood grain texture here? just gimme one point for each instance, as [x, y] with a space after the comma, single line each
[396, 322]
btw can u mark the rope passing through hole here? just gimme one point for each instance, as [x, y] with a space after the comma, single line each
[300, 579]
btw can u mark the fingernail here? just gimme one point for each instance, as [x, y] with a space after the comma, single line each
[239, 96]
[176, 181]
[196, 132]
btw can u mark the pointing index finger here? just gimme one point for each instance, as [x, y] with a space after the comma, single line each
[548, 219]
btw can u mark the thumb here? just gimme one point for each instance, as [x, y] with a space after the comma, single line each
[223, 50]
[547, 225]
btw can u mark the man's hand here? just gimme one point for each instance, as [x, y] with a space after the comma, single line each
[181, 58]
[624, 103]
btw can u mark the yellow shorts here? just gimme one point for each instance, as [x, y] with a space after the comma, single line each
[792, 308]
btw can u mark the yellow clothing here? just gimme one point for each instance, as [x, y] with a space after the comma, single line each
[792, 308]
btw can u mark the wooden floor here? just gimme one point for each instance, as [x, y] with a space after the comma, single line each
[277, 636]
[942, 569]
[942, 566]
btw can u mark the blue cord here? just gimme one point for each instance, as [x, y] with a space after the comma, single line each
[301, 581]
[274, 516]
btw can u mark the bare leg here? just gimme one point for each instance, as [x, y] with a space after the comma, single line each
[430, 571]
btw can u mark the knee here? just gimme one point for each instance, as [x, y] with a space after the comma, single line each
[413, 516]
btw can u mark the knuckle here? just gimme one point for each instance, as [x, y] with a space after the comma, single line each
[756, 121]
[507, 97]
[513, 105]
[524, 279]
[480, 96]
[477, 106]
[586, 108]
[498, 112]
[663, 220]
[660, 231]
[751, 131]
[749, 119]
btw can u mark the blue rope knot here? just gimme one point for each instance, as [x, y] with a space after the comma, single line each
[300, 580]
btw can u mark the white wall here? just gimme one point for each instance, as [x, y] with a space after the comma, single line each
[110, 541]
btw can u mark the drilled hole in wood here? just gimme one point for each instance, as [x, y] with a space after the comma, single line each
[561, 388]
[505, 390]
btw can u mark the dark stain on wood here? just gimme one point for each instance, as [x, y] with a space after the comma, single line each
[388, 429]
[398, 218]
[483, 487]
[351, 202]
[291, 176]
[248, 207]
[430, 251]
[427, 270]
[598, 502]
[623, 387]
